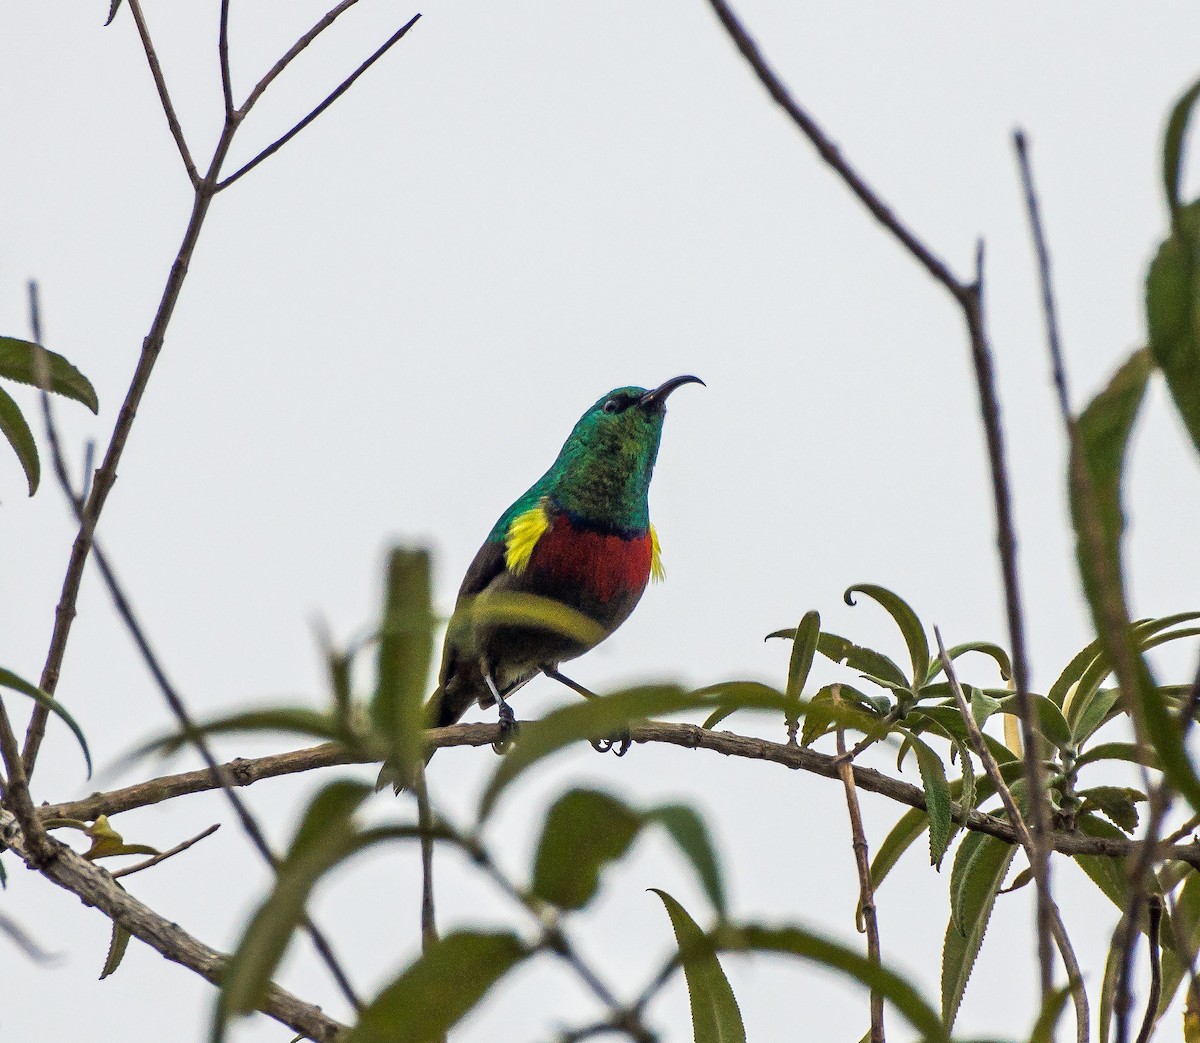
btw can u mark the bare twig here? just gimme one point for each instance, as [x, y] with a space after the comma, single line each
[24, 941]
[969, 297]
[293, 52]
[223, 59]
[162, 856]
[247, 771]
[1056, 928]
[97, 888]
[341, 89]
[866, 891]
[1148, 1021]
[164, 97]
[16, 789]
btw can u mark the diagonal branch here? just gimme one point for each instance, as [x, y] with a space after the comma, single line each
[223, 60]
[97, 888]
[969, 297]
[341, 89]
[164, 97]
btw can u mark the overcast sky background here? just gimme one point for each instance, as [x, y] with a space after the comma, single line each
[388, 330]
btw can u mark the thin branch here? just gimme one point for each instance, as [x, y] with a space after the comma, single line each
[164, 97]
[179, 710]
[829, 152]
[1151, 1017]
[96, 887]
[1056, 928]
[324, 23]
[970, 299]
[162, 856]
[429, 931]
[247, 771]
[16, 789]
[223, 59]
[345, 85]
[866, 891]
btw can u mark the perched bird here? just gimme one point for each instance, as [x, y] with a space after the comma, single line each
[580, 536]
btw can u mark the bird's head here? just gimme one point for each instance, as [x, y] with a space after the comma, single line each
[605, 466]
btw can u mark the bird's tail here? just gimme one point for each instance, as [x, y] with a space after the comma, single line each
[440, 712]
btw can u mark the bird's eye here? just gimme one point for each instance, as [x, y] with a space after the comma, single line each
[612, 405]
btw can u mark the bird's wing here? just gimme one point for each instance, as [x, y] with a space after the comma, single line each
[488, 564]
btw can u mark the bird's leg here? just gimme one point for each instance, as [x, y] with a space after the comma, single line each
[620, 742]
[508, 720]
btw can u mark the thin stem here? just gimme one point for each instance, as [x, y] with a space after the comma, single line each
[162, 856]
[866, 892]
[429, 931]
[16, 790]
[341, 89]
[164, 96]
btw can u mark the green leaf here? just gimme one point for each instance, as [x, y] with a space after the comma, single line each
[1051, 1013]
[584, 831]
[799, 941]
[10, 680]
[865, 660]
[16, 430]
[325, 836]
[983, 706]
[1106, 872]
[690, 834]
[1050, 720]
[979, 869]
[804, 647]
[715, 1014]
[731, 694]
[1171, 292]
[405, 651]
[116, 950]
[18, 362]
[937, 797]
[288, 720]
[906, 619]
[986, 647]
[1120, 751]
[597, 718]
[439, 988]
[1116, 803]
[1186, 923]
[1173, 144]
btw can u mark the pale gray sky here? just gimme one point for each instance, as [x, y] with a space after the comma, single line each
[389, 328]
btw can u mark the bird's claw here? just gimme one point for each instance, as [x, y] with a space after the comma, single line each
[508, 728]
[618, 743]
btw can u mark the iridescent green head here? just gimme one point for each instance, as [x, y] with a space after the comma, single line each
[603, 471]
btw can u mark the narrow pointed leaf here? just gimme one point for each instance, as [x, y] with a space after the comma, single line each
[937, 798]
[116, 950]
[1051, 1013]
[16, 430]
[325, 836]
[1173, 142]
[688, 831]
[584, 831]
[1050, 720]
[715, 1014]
[10, 680]
[18, 362]
[405, 650]
[438, 989]
[857, 657]
[989, 859]
[906, 619]
[1120, 751]
[986, 647]
[804, 647]
[1107, 873]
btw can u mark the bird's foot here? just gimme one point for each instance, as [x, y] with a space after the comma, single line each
[508, 727]
[618, 743]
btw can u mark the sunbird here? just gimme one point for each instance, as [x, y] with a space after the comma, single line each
[581, 537]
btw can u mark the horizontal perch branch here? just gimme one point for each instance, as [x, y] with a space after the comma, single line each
[245, 771]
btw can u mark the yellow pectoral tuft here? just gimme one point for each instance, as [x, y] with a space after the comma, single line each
[657, 572]
[523, 533]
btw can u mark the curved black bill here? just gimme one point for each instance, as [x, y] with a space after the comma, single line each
[655, 399]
